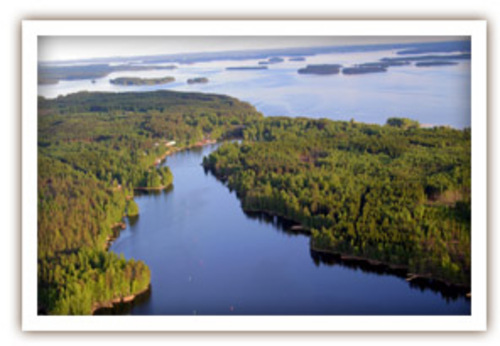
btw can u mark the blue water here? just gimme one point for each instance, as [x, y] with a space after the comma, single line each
[208, 257]
[437, 95]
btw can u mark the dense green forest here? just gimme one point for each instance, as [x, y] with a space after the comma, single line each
[94, 149]
[397, 194]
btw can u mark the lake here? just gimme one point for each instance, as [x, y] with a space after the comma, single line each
[208, 257]
[438, 95]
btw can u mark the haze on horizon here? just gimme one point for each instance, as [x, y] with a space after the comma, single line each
[66, 48]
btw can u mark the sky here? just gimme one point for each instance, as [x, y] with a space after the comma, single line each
[56, 48]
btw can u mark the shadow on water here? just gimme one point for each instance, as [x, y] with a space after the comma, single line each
[139, 193]
[448, 292]
[280, 224]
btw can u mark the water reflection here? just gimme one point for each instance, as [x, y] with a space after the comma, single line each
[208, 257]
[448, 292]
[285, 226]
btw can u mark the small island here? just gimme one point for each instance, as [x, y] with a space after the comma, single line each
[384, 64]
[448, 57]
[52, 74]
[236, 68]
[435, 63]
[275, 60]
[297, 58]
[324, 69]
[197, 80]
[128, 81]
[363, 69]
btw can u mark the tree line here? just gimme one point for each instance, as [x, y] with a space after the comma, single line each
[397, 193]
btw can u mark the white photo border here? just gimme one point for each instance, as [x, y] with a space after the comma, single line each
[476, 29]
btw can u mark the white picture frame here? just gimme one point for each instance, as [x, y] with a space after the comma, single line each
[33, 29]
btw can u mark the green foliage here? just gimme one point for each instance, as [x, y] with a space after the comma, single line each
[396, 194]
[75, 283]
[403, 123]
[93, 150]
[141, 81]
[132, 208]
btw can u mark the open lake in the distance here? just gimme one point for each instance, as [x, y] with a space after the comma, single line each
[438, 95]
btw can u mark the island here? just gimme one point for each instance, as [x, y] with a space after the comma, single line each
[297, 58]
[51, 74]
[244, 68]
[435, 63]
[384, 64]
[447, 57]
[324, 69]
[129, 81]
[275, 60]
[197, 80]
[363, 69]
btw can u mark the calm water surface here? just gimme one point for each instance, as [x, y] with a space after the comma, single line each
[437, 95]
[208, 257]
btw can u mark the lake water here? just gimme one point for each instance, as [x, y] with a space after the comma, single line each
[208, 257]
[437, 95]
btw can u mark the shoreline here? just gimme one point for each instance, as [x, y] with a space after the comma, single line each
[122, 225]
[110, 304]
[399, 270]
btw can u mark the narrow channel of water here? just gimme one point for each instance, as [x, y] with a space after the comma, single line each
[208, 257]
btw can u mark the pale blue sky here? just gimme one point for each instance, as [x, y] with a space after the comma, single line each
[53, 48]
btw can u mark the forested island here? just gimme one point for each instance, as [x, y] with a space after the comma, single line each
[94, 150]
[431, 57]
[129, 81]
[435, 63]
[52, 74]
[237, 68]
[396, 194]
[197, 80]
[324, 69]
[363, 69]
[385, 64]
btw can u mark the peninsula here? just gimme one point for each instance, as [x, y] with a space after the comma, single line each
[387, 194]
[95, 149]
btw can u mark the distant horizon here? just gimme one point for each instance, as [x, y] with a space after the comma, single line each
[57, 49]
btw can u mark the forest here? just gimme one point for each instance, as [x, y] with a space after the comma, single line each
[94, 150]
[397, 194]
